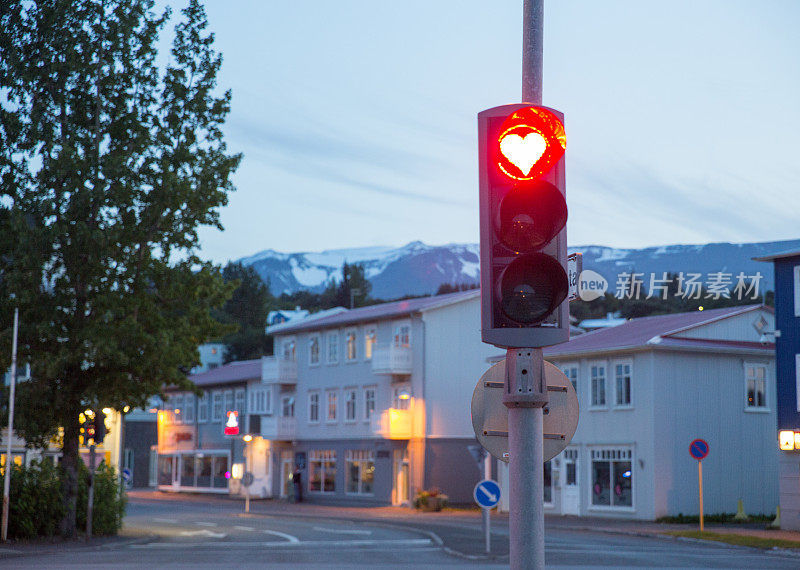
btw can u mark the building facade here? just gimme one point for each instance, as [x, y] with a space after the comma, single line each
[647, 388]
[786, 333]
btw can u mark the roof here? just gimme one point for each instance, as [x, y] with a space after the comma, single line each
[394, 309]
[601, 323]
[657, 330]
[779, 255]
[233, 372]
[287, 314]
[277, 328]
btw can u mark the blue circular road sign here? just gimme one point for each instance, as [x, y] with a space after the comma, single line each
[487, 493]
[127, 475]
[699, 449]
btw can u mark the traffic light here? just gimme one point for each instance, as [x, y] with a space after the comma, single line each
[523, 216]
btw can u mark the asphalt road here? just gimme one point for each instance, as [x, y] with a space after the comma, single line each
[210, 532]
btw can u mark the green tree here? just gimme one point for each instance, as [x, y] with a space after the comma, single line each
[247, 308]
[353, 290]
[108, 167]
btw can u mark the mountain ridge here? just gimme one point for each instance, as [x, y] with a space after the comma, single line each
[419, 269]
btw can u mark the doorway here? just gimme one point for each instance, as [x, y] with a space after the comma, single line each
[570, 492]
[287, 468]
[402, 472]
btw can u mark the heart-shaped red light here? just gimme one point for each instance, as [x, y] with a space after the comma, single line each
[531, 141]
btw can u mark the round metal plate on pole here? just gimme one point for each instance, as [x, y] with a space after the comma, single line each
[490, 415]
[247, 479]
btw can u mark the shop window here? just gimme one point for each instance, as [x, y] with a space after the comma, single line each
[360, 466]
[612, 478]
[322, 471]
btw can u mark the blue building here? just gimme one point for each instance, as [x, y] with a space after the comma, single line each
[787, 368]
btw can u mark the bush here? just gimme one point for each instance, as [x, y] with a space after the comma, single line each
[36, 506]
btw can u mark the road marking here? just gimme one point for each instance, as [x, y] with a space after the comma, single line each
[247, 528]
[326, 544]
[170, 521]
[342, 531]
[205, 524]
[289, 537]
[203, 532]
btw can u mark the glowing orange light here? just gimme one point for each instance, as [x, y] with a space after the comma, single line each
[531, 141]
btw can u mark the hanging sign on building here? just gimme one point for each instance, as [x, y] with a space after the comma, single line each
[232, 423]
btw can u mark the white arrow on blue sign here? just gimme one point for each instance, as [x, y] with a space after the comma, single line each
[487, 493]
[127, 475]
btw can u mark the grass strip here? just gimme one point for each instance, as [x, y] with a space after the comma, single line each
[737, 539]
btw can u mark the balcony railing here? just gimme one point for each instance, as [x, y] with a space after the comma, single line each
[278, 427]
[277, 370]
[391, 360]
[392, 424]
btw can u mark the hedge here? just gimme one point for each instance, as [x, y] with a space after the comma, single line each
[36, 506]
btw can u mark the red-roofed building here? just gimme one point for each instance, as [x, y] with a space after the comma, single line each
[646, 389]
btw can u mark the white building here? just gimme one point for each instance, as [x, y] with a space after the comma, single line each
[646, 389]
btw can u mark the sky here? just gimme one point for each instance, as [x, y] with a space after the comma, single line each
[358, 119]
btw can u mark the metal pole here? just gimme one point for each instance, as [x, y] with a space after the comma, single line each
[532, 39]
[487, 520]
[700, 481]
[525, 396]
[90, 498]
[9, 434]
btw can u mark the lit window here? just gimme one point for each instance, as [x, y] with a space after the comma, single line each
[360, 469]
[370, 337]
[756, 386]
[322, 471]
[402, 336]
[331, 415]
[350, 345]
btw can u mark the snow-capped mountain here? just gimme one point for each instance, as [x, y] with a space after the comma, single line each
[419, 269]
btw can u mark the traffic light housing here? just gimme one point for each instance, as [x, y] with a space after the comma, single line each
[523, 215]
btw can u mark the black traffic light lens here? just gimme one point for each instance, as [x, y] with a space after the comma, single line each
[530, 216]
[531, 287]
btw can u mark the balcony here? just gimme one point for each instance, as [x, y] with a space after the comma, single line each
[278, 428]
[275, 370]
[391, 360]
[392, 424]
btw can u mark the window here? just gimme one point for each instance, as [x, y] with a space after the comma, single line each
[188, 408]
[350, 346]
[313, 407]
[289, 349]
[350, 404]
[287, 406]
[322, 471]
[401, 397]
[260, 401]
[797, 378]
[177, 407]
[313, 350]
[369, 402]
[612, 478]
[202, 409]
[402, 335]
[229, 402]
[598, 382]
[216, 412]
[331, 413]
[360, 469]
[370, 338]
[571, 372]
[797, 290]
[333, 348]
[756, 385]
[622, 373]
[240, 403]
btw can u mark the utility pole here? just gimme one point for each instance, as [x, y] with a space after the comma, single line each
[10, 432]
[526, 390]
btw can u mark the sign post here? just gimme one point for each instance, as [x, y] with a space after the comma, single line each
[487, 494]
[699, 450]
